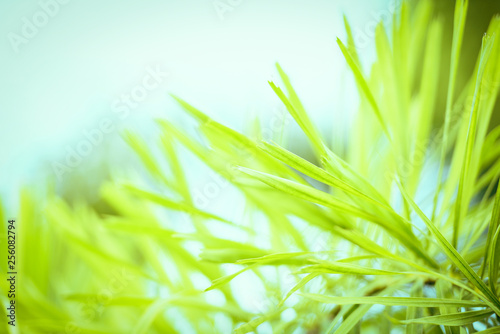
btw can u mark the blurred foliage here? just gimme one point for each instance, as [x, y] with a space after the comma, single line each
[399, 234]
[480, 13]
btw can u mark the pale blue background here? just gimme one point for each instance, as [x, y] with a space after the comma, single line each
[65, 79]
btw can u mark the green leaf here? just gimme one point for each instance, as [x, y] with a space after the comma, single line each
[365, 88]
[394, 301]
[462, 201]
[413, 311]
[458, 34]
[170, 204]
[492, 248]
[454, 256]
[278, 258]
[145, 322]
[357, 314]
[445, 290]
[315, 172]
[307, 193]
[229, 255]
[254, 323]
[303, 281]
[300, 116]
[316, 196]
[140, 147]
[351, 45]
[456, 319]
[226, 279]
[327, 267]
[495, 253]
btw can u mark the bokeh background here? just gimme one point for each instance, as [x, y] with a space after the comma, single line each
[64, 73]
